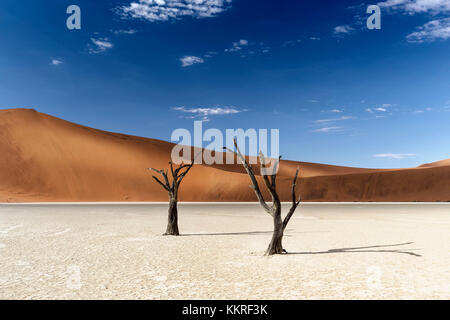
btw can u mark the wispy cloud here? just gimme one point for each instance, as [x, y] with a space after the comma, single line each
[205, 113]
[164, 10]
[237, 46]
[342, 30]
[394, 155]
[246, 48]
[210, 54]
[329, 129]
[383, 108]
[431, 31]
[100, 45]
[187, 61]
[335, 119]
[416, 6]
[422, 110]
[332, 111]
[124, 31]
[56, 62]
[242, 47]
[326, 126]
[437, 29]
[291, 43]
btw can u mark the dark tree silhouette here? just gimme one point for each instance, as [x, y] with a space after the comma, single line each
[276, 244]
[172, 187]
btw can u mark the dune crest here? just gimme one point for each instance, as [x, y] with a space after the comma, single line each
[49, 159]
[441, 163]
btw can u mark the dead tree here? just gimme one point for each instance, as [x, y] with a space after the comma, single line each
[172, 188]
[279, 225]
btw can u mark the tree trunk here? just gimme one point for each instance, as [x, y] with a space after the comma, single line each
[172, 223]
[276, 244]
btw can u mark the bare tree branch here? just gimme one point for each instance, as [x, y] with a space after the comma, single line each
[180, 168]
[255, 185]
[269, 185]
[162, 184]
[295, 202]
[156, 170]
[275, 172]
[171, 169]
[166, 178]
[182, 175]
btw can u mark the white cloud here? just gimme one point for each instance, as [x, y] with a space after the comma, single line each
[422, 110]
[210, 54]
[164, 10]
[124, 31]
[438, 29]
[340, 30]
[187, 61]
[431, 31]
[99, 45]
[56, 62]
[205, 113]
[242, 47]
[332, 111]
[329, 129]
[237, 46]
[291, 43]
[417, 6]
[314, 38]
[246, 48]
[394, 155]
[335, 119]
[384, 108]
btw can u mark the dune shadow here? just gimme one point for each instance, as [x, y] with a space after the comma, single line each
[366, 249]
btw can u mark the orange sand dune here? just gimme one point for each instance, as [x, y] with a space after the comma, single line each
[441, 163]
[44, 158]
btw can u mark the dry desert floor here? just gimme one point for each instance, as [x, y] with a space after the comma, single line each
[116, 251]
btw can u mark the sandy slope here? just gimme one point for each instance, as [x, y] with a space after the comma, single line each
[44, 158]
[441, 163]
[370, 251]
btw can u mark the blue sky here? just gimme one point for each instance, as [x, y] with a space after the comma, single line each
[338, 92]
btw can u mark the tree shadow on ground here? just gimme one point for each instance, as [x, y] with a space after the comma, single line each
[241, 233]
[225, 233]
[366, 249]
